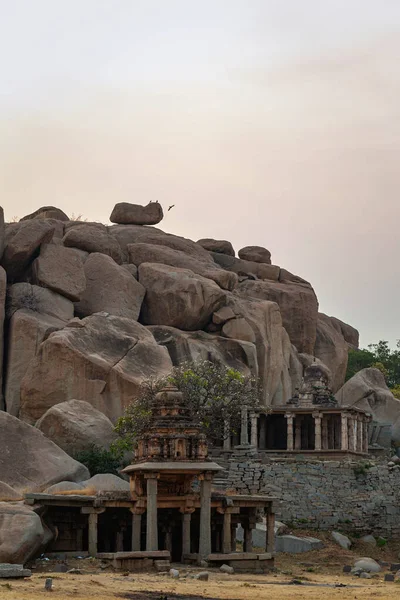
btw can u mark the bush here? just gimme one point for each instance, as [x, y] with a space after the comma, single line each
[99, 460]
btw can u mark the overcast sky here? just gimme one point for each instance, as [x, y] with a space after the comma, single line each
[269, 122]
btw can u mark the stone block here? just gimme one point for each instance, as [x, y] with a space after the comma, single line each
[389, 577]
[8, 571]
[296, 545]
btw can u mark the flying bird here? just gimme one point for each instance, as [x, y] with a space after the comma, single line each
[169, 207]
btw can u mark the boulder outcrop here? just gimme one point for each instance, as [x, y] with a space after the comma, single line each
[21, 533]
[178, 297]
[39, 300]
[101, 359]
[31, 462]
[247, 269]
[150, 253]
[92, 238]
[109, 288]
[367, 389]
[136, 214]
[61, 270]
[47, 212]
[219, 246]
[332, 349]
[298, 306]
[255, 254]
[75, 426]
[24, 245]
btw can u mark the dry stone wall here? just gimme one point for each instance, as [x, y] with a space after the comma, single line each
[360, 496]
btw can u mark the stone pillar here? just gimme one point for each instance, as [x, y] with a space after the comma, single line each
[244, 436]
[270, 537]
[360, 433]
[205, 517]
[227, 437]
[136, 529]
[233, 537]
[318, 434]
[226, 535]
[151, 521]
[297, 439]
[263, 432]
[325, 443]
[366, 437]
[351, 433]
[355, 433]
[119, 542]
[253, 430]
[186, 520]
[289, 421]
[92, 547]
[344, 432]
[247, 539]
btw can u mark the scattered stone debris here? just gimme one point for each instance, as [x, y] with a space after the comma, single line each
[389, 577]
[367, 564]
[202, 576]
[343, 541]
[227, 569]
[48, 584]
[174, 573]
[8, 571]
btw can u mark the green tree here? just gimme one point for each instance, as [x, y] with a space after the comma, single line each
[214, 394]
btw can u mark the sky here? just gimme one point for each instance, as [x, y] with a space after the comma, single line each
[266, 122]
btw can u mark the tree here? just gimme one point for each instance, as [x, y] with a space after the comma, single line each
[214, 393]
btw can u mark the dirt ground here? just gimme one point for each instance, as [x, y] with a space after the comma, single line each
[319, 576]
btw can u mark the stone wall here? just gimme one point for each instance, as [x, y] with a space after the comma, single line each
[357, 496]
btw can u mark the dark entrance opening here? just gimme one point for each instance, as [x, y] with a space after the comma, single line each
[170, 532]
[115, 530]
[276, 432]
[307, 432]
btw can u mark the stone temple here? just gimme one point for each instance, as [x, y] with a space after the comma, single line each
[175, 514]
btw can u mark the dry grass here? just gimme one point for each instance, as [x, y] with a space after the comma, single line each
[88, 491]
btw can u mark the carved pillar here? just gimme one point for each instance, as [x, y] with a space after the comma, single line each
[92, 523]
[344, 436]
[151, 521]
[244, 435]
[226, 542]
[366, 436]
[318, 434]
[289, 424]
[297, 439]
[233, 537]
[270, 541]
[253, 430]
[227, 437]
[136, 528]
[205, 517]
[186, 522]
[325, 443]
[360, 433]
[351, 433]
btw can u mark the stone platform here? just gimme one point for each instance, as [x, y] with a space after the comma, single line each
[135, 561]
[244, 562]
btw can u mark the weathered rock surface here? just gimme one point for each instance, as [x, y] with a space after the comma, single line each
[61, 270]
[65, 486]
[246, 268]
[109, 288]
[367, 389]
[24, 246]
[39, 300]
[178, 297]
[106, 482]
[220, 246]
[47, 212]
[27, 329]
[223, 315]
[102, 359]
[296, 545]
[149, 235]
[149, 253]
[298, 306]
[255, 254]
[21, 533]
[2, 232]
[75, 426]
[13, 571]
[193, 346]
[239, 329]
[7, 493]
[349, 333]
[343, 541]
[395, 432]
[332, 349]
[368, 565]
[31, 462]
[136, 214]
[91, 238]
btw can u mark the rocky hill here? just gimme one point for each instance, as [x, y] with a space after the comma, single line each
[90, 311]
